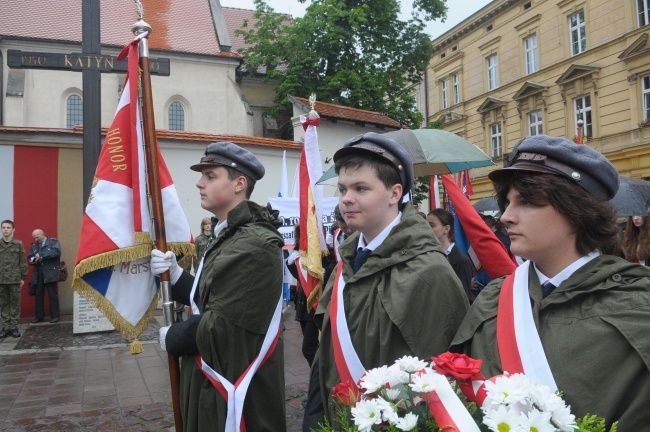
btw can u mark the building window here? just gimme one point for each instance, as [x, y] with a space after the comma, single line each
[535, 123]
[455, 88]
[578, 33]
[643, 7]
[176, 116]
[445, 94]
[495, 140]
[646, 98]
[527, 6]
[530, 48]
[582, 106]
[74, 111]
[493, 72]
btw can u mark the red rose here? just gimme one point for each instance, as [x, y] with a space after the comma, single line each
[346, 392]
[458, 366]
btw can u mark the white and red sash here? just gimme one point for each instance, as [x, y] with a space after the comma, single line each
[520, 347]
[347, 361]
[235, 394]
[336, 244]
[444, 403]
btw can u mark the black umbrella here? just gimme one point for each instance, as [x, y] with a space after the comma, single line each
[632, 198]
[488, 205]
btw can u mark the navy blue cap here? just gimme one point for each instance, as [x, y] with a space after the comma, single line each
[556, 155]
[233, 156]
[385, 147]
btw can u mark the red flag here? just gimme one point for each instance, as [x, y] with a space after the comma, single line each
[488, 248]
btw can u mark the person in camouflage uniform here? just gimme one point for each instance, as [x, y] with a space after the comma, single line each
[201, 242]
[13, 273]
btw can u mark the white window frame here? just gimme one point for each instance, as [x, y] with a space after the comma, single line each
[493, 71]
[577, 33]
[455, 87]
[496, 140]
[643, 9]
[172, 122]
[530, 54]
[74, 114]
[645, 97]
[444, 88]
[535, 123]
[583, 113]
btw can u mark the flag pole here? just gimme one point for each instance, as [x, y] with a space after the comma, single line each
[153, 181]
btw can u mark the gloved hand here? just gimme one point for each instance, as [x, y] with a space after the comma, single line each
[163, 334]
[293, 256]
[161, 262]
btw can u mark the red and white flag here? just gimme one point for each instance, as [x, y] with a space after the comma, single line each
[112, 268]
[312, 238]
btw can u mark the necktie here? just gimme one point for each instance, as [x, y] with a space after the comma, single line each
[360, 258]
[547, 288]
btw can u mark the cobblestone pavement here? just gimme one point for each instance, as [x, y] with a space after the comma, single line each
[52, 380]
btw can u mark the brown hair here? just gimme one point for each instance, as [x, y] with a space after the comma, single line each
[594, 220]
[636, 241]
[250, 183]
[386, 172]
[7, 221]
[446, 219]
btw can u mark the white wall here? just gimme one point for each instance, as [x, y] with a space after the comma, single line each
[179, 158]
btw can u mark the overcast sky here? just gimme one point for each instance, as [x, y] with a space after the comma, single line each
[458, 11]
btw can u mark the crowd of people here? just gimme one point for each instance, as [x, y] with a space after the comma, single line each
[396, 284]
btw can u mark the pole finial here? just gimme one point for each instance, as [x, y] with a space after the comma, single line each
[312, 101]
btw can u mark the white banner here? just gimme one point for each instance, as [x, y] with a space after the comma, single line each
[290, 215]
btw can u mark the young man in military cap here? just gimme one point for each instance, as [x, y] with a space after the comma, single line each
[13, 273]
[233, 337]
[575, 314]
[404, 299]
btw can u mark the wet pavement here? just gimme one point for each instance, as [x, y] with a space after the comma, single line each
[53, 380]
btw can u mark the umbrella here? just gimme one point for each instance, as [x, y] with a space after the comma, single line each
[487, 205]
[632, 198]
[434, 151]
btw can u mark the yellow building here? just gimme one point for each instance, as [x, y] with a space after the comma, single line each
[523, 67]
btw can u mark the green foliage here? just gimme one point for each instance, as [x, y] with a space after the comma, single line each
[420, 190]
[355, 53]
[593, 423]
[436, 124]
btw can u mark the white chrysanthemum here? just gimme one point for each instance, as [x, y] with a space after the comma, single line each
[507, 391]
[410, 364]
[536, 421]
[365, 414]
[375, 379]
[408, 422]
[502, 420]
[426, 382]
[563, 419]
[388, 411]
[393, 394]
[398, 375]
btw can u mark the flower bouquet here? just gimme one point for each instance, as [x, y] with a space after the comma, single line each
[450, 394]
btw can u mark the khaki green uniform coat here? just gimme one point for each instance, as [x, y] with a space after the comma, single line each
[405, 300]
[13, 269]
[595, 329]
[238, 290]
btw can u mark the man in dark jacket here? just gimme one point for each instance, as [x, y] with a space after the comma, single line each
[45, 256]
[236, 304]
[575, 315]
[13, 273]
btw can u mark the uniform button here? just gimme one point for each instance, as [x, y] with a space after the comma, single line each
[616, 277]
[403, 252]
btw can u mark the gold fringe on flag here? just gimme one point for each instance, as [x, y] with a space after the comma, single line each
[113, 258]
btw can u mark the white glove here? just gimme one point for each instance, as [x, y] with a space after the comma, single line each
[163, 334]
[160, 263]
[293, 256]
